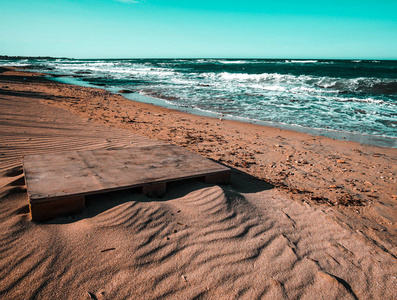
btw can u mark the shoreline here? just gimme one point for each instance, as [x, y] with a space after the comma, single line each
[303, 216]
[374, 140]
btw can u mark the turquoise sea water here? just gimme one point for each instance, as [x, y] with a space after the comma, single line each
[340, 98]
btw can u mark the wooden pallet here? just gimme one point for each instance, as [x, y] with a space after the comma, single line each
[58, 183]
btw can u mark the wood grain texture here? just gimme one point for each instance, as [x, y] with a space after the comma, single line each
[81, 173]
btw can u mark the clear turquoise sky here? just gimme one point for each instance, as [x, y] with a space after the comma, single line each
[363, 29]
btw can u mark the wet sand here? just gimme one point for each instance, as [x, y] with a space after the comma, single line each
[304, 216]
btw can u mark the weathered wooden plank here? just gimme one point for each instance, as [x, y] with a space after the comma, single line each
[65, 175]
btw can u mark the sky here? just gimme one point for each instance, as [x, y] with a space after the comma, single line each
[340, 29]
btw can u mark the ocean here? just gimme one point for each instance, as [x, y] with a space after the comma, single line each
[345, 99]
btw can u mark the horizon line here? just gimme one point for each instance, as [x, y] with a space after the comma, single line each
[188, 58]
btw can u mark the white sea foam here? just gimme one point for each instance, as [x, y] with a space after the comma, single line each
[301, 61]
[233, 61]
[285, 97]
[266, 77]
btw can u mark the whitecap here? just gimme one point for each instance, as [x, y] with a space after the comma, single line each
[233, 61]
[301, 61]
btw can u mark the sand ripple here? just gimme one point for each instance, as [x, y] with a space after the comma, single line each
[201, 241]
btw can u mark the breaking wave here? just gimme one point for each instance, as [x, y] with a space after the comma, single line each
[354, 96]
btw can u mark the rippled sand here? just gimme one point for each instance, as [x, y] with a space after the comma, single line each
[244, 241]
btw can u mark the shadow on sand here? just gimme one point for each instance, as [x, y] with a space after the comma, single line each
[241, 183]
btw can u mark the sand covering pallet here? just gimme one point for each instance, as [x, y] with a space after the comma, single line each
[58, 183]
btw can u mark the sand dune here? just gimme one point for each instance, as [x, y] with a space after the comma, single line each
[248, 240]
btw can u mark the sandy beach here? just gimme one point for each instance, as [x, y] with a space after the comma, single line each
[305, 217]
